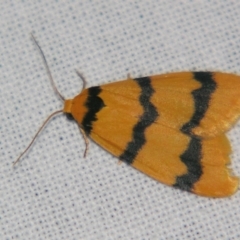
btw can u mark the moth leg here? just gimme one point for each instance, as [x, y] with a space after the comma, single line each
[119, 162]
[82, 78]
[85, 139]
[129, 76]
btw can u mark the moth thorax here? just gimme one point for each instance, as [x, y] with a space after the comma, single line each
[67, 106]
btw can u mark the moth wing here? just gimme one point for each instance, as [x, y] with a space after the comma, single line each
[188, 163]
[202, 103]
[173, 158]
[165, 153]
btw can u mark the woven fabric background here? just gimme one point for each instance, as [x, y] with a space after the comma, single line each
[55, 193]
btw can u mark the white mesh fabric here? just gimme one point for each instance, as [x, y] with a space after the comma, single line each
[54, 193]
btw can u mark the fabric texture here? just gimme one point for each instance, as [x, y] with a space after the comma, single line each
[56, 193]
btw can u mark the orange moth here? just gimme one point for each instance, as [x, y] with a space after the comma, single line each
[170, 126]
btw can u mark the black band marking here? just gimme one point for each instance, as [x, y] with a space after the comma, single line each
[192, 159]
[193, 154]
[69, 117]
[148, 117]
[201, 98]
[94, 104]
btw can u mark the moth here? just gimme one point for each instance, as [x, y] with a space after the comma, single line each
[170, 126]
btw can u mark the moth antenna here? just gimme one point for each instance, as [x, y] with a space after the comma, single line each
[82, 78]
[39, 130]
[47, 68]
